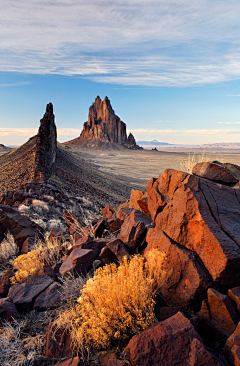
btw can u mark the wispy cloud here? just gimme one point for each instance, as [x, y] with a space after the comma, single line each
[20, 83]
[193, 132]
[229, 123]
[186, 42]
[215, 132]
[233, 95]
[18, 131]
[28, 132]
[68, 131]
[145, 131]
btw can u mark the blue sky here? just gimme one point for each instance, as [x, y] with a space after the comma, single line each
[171, 69]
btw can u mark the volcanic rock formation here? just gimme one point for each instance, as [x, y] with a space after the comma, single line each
[104, 127]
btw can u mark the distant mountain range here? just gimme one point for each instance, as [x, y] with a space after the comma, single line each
[223, 144]
[153, 142]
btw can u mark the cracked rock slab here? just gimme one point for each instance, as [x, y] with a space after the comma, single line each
[185, 278]
[205, 218]
[173, 341]
[23, 294]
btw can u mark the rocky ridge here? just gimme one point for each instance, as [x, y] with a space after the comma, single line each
[104, 129]
[193, 220]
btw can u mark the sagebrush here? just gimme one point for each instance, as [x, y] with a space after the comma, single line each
[115, 304]
[46, 252]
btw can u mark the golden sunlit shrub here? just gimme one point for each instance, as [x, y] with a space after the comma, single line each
[46, 252]
[116, 303]
[155, 260]
[26, 264]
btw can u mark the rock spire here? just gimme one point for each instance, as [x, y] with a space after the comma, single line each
[46, 145]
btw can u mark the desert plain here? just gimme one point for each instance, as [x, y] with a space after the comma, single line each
[138, 166]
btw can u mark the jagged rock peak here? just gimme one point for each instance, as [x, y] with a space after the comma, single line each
[46, 145]
[103, 124]
[131, 140]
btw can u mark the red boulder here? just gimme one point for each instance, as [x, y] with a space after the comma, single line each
[185, 278]
[79, 261]
[215, 172]
[133, 229]
[171, 342]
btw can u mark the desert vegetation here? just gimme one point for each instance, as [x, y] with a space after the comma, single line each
[8, 251]
[117, 303]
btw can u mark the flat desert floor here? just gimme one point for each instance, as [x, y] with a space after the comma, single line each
[142, 165]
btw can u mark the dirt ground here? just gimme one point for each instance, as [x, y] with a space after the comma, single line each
[145, 164]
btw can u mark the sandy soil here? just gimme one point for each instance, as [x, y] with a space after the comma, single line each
[142, 165]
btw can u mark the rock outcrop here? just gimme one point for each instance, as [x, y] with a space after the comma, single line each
[46, 145]
[104, 128]
[187, 228]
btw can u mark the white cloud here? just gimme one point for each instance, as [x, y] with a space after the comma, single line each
[146, 131]
[18, 131]
[215, 132]
[186, 42]
[229, 123]
[68, 132]
[193, 132]
[28, 132]
[20, 83]
[233, 95]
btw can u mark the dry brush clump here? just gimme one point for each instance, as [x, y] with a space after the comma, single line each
[26, 265]
[8, 250]
[18, 348]
[115, 304]
[187, 164]
[46, 252]
[72, 287]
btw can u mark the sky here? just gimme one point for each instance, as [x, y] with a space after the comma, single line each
[171, 69]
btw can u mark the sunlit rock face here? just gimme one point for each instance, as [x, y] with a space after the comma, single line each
[104, 124]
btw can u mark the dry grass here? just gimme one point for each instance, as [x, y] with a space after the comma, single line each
[8, 248]
[46, 252]
[39, 206]
[49, 249]
[188, 163]
[72, 287]
[22, 343]
[18, 348]
[8, 251]
[114, 305]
